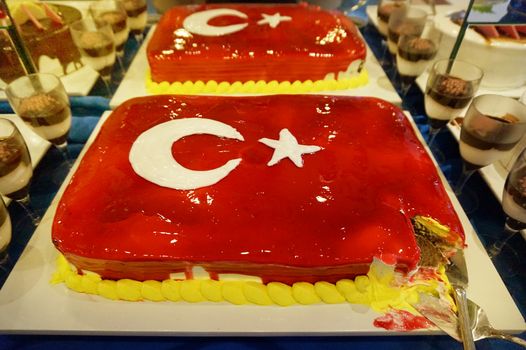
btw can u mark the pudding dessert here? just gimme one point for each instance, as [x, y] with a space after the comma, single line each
[445, 98]
[210, 189]
[483, 143]
[384, 11]
[413, 56]
[5, 234]
[514, 200]
[42, 26]
[137, 15]
[15, 167]
[48, 116]
[403, 28]
[222, 47]
[97, 50]
[119, 24]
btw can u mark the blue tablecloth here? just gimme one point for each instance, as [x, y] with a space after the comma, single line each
[487, 219]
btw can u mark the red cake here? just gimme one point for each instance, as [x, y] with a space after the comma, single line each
[286, 188]
[227, 42]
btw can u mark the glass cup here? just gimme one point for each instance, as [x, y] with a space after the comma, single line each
[414, 54]
[5, 231]
[406, 20]
[450, 87]
[137, 17]
[493, 125]
[16, 169]
[41, 101]
[96, 44]
[113, 13]
[384, 10]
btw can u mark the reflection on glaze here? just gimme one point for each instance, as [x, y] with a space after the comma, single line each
[252, 42]
[325, 221]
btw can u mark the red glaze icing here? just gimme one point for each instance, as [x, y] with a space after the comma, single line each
[402, 321]
[315, 42]
[324, 221]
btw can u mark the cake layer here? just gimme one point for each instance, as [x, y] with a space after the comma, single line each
[317, 186]
[252, 42]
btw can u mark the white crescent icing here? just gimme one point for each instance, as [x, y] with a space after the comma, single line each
[151, 154]
[197, 23]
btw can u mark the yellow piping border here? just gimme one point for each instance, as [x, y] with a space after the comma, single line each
[253, 87]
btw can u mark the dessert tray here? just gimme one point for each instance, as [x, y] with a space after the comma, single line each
[37, 146]
[134, 82]
[35, 306]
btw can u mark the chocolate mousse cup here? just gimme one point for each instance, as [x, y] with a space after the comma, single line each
[450, 87]
[40, 100]
[413, 56]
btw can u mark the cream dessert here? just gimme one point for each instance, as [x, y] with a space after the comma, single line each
[15, 168]
[413, 57]
[514, 200]
[483, 143]
[137, 15]
[384, 11]
[445, 98]
[98, 51]
[119, 24]
[5, 233]
[49, 117]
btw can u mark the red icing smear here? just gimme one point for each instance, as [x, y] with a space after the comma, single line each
[324, 221]
[402, 321]
[314, 43]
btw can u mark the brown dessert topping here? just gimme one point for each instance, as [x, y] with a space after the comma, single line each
[453, 86]
[8, 153]
[112, 17]
[93, 40]
[133, 4]
[37, 105]
[510, 118]
[421, 44]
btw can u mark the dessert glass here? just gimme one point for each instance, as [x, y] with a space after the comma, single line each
[96, 44]
[513, 203]
[113, 13]
[414, 54]
[384, 10]
[137, 17]
[16, 170]
[493, 125]
[41, 101]
[450, 87]
[406, 20]
[5, 232]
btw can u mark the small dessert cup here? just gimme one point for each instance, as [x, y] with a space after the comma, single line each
[96, 43]
[384, 10]
[137, 17]
[406, 20]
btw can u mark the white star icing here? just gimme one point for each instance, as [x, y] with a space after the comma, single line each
[287, 147]
[273, 20]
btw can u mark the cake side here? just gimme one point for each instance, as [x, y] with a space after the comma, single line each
[350, 202]
[230, 43]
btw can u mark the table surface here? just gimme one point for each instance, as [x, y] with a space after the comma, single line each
[487, 218]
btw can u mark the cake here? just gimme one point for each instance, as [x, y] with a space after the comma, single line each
[286, 192]
[42, 26]
[498, 51]
[232, 48]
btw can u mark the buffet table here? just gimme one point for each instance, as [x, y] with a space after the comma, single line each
[487, 219]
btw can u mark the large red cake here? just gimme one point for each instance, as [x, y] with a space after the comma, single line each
[360, 174]
[228, 42]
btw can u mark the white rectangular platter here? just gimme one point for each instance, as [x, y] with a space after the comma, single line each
[36, 145]
[30, 304]
[134, 82]
[79, 82]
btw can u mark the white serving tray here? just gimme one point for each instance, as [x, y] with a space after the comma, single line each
[36, 145]
[134, 82]
[81, 81]
[31, 305]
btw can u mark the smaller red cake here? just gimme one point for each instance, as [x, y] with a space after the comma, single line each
[254, 42]
[284, 188]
